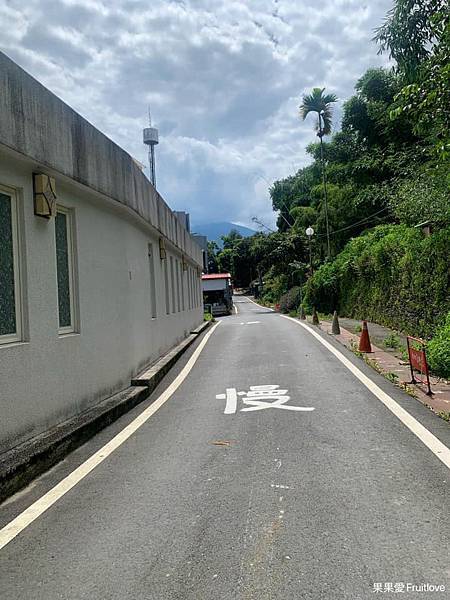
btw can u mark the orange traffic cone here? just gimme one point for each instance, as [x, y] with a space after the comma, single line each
[364, 340]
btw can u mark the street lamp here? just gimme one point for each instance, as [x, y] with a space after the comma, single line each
[310, 232]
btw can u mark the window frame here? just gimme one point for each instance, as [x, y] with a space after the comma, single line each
[183, 306]
[10, 338]
[166, 285]
[178, 278]
[172, 285]
[70, 233]
[152, 277]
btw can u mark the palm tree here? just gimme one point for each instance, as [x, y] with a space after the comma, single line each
[321, 104]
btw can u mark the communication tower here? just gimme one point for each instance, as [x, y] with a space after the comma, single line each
[151, 139]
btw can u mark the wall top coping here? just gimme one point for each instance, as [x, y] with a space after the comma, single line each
[37, 124]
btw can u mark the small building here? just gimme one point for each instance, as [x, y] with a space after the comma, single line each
[218, 293]
[98, 277]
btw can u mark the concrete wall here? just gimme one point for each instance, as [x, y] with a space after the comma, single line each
[47, 378]
[202, 241]
[37, 124]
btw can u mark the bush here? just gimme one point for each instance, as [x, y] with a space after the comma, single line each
[274, 286]
[438, 350]
[392, 275]
[291, 300]
[392, 341]
[422, 197]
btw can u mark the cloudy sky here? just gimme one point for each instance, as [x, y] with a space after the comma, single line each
[224, 79]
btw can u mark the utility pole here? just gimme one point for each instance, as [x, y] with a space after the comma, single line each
[310, 232]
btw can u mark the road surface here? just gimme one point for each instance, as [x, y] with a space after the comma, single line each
[312, 489]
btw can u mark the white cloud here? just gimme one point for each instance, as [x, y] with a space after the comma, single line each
[224, 79]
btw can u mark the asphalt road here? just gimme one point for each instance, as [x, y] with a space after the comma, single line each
[269, 503]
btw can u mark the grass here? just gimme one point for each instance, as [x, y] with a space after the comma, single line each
[325, 316]
[372, 363]
[444, 415]
[392, 341]
[404, 353]
[408, 389]
[392, 377]
[354, 349]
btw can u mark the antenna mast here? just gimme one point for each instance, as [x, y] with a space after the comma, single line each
[151, 139]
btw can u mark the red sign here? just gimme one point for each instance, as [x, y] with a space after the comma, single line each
[418, 361]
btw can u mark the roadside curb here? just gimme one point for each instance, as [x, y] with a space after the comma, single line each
[20, 465]
[201, 328]
[437, 405]
[385, 364]
[153, 374]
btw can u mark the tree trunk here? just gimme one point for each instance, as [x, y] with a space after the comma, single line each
[324, 179]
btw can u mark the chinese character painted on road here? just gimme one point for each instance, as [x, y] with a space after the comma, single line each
[259, 397]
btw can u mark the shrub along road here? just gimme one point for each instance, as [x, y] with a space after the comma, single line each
[265, 470]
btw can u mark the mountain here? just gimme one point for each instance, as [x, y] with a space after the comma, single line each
[214, 231]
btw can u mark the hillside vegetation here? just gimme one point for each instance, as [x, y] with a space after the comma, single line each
[376, 193]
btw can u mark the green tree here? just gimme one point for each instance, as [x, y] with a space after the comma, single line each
[230, 239]
[416, 34]
[411, 32]
[293, 191]
[213, 250]
[225, 261]
[320, 104]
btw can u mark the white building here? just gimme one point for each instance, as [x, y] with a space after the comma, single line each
[92, 294]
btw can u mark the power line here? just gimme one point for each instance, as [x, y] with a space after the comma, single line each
[261, 224]
[281, 201]
[355, 224]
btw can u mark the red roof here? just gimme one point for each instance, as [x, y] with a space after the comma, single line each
[217, 276]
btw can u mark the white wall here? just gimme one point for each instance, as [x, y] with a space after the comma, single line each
[48, 378]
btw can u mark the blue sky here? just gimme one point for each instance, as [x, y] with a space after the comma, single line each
[223, 78]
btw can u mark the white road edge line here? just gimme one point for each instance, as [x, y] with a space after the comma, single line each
[426, 437]
[35, 510]
[260, 305]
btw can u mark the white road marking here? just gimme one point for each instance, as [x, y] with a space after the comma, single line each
[231, 405]
[260, 305]
[426, 437]
[279, 403]
[12, 529]
[252, 322]
[257, 399]
[235, 309]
